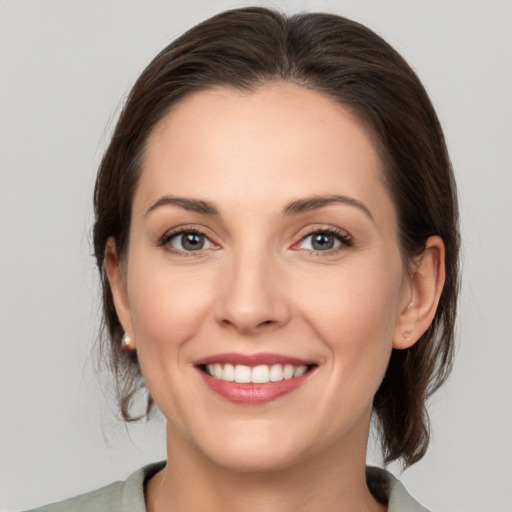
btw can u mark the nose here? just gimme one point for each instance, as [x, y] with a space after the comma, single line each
[252, 296]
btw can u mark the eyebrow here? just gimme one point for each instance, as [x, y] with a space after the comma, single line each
[294, 208]
[313, 203]
[193, 205]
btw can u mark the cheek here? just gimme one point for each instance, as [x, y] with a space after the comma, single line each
[356, 301]
[166, 305]
[168, 308]
[354, 314]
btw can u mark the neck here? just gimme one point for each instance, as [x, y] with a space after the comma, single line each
[334, 481]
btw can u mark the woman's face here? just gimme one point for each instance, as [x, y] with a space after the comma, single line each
[263, 244]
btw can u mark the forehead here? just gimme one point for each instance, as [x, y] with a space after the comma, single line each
[281, 141]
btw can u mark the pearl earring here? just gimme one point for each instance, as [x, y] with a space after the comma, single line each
[407, 334]
[127, 342]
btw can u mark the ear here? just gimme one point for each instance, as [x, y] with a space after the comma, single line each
[116, 275]
[427, 276]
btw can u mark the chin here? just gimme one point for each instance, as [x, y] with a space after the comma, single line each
[251, 460]
[252, 450]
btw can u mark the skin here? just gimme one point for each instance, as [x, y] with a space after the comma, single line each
[258, 286]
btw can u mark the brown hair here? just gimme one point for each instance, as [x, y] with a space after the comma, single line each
[351, 64]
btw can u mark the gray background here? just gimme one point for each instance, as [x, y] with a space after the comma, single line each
[65, 66]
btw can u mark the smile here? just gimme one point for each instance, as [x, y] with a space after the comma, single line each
[260, 374]
[253, 379]
[257, 375]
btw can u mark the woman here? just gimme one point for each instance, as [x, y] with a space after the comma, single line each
[277, 237]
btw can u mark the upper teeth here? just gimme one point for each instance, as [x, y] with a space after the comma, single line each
[256, 374]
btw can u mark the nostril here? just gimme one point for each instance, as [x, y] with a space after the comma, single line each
[266, 323]
[227, 322]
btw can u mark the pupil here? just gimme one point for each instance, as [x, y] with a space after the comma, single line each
[323, 242]
[192, 242]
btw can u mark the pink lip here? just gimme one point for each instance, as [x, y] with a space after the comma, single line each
[252, 359]
[251, 393]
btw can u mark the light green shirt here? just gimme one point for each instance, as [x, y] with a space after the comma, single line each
[128, 496]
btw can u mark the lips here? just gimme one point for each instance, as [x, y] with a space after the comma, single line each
[255, 378]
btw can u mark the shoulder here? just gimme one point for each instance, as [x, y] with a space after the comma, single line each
[387, 489]
[125, 496]
[106, 498]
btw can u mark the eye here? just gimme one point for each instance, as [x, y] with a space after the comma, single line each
[324, 240]
[188, 241]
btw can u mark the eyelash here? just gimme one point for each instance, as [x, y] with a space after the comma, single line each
[344, 238]
[183, 230]
[341, 236]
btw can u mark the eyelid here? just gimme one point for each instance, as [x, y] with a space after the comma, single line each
[187, 229]
[341, 235]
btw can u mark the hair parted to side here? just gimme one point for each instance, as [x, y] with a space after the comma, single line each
[349, 63]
